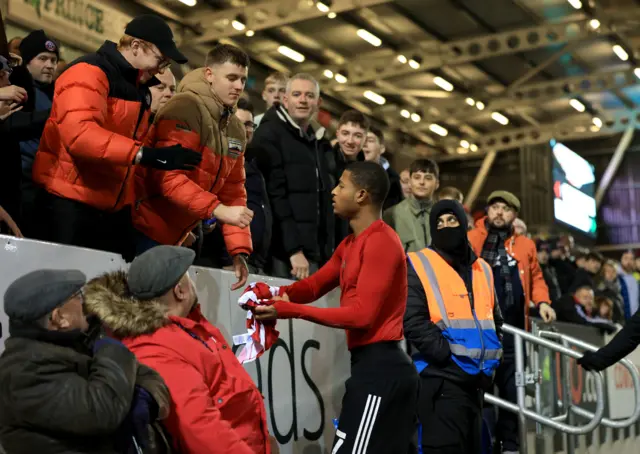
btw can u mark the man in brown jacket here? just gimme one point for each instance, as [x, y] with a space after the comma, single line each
[170, 204]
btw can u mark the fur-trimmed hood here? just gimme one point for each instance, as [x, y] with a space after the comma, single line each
[108, 298]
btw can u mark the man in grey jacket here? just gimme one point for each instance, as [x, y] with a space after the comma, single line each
[63, 386]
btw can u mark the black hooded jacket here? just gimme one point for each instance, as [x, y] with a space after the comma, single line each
[425, 335]
[295, 170]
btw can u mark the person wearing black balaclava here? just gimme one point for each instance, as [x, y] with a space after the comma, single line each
[458, 352]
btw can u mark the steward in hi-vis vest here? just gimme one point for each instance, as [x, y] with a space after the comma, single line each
[454, 323]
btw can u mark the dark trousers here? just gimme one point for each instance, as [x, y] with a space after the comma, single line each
[77, 224]
[379, 405]
[143, 243]
[451, 417]
[507, 424]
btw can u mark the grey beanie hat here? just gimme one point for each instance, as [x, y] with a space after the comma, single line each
[155, 272]
[36, 294]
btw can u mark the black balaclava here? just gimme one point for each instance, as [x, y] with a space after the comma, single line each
[451, 241]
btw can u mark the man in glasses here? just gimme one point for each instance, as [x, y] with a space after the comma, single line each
[94, 138]
[201, 117]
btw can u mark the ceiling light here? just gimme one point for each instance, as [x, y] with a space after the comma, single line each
[414, 64]
[577, 105]
[340, 78]
[497, 116]
[620, 52]
[480, 105]
[369, 37]
[473, 147]
[328, 74]
[332, 15]
[597, 122]
[188, 2]
[402, 59]
[292, 54]
[637, 72]
[405, 113]
[238, 25]
[464, 144]
[416, 118]
[250, 33]
[322, 7]
[438, 129]
[375, 97]
[470, 101]
[594, 23]
[442, 83]
[577, 4]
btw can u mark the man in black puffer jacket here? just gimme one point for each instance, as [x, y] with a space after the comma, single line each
[63, 387]
[292, 159]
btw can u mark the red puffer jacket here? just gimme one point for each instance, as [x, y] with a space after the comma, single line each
[99, 118]
[216, 408]
[170, 204]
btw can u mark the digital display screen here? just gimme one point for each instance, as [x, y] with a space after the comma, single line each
[573, 190]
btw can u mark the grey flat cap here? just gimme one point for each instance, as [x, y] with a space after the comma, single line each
[36, 294]
[158, 270]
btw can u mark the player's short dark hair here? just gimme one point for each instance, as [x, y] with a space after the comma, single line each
[355, 117]
[378, 133]
[224, 53]
[245, 104]
[426, 166]
[371, 177]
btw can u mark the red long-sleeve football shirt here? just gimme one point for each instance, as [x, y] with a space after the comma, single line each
[372, 273]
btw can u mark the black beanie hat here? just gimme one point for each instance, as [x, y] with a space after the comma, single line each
[35, 43]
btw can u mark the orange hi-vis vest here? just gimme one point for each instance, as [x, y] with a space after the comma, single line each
[466, 320]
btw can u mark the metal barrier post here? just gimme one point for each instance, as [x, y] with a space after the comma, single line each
[520, 390]
[567, 400]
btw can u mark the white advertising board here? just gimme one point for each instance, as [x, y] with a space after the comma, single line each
[301, 377]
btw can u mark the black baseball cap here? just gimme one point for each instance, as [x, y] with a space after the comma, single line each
[154, 29]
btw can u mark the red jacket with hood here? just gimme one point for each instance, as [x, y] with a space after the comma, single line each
[216, 408]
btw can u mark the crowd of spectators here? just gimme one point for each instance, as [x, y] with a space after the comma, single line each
[110, 152]
[587, 288]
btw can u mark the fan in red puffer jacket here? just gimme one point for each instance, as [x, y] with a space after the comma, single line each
[154, 309]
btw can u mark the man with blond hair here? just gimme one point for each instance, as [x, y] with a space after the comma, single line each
[291, 155]
[94, 138]
[275, 87]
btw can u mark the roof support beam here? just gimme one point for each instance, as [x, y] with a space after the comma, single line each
[268, 14]
[575, 128]
[537, 93]
[435, 54]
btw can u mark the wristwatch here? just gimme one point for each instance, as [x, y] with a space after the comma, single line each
[244, 256]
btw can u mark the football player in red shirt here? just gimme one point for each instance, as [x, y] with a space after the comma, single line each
[379, 405]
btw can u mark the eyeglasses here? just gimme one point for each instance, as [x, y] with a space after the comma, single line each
[250, 125]
[163, 62]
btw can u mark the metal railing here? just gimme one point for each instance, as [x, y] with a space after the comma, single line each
[635, 377]
[566, 422]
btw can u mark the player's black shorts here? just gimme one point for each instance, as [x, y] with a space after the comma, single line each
[380, 403]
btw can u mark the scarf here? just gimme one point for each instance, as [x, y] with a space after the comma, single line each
[493, 251]
[260, 336]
